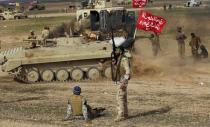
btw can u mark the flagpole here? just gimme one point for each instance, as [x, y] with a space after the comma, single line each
[134, 36]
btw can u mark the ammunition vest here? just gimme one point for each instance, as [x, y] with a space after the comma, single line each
[76, 104]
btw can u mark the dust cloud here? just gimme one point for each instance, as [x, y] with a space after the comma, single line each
[167, 65]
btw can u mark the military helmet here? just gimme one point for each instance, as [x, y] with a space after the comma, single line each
[192, 34]
[77, 90]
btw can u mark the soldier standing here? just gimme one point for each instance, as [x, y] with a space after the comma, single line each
[195, 44]
[180, 37]
[123, 75]
[154, 38]
[45, 33]
[78, 108]
[164, 7]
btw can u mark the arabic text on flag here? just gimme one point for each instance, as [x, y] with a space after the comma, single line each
[148, 22]
[139, 3]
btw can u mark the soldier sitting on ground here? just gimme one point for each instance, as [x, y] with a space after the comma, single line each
[79, 109]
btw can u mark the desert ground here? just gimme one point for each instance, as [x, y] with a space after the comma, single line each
[164, 91]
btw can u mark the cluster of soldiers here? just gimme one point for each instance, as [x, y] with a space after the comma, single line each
[45, 35]
[78, 108]
[165, 7]
[198, 49]
[195, 44]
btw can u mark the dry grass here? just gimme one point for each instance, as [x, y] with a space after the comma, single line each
[151, 103]
[18, 123]
[166, 92]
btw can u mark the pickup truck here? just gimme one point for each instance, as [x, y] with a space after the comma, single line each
[193, 3]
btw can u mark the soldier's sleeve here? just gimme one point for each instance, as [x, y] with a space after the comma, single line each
[184, 36]
[126, 66]
[69, 110]
[84, 109]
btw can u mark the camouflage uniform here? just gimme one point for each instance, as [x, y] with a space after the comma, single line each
[32, 36]
[45, 34]
[77, 108]
[194, 44]
[122, 92]
[155, 44]
[180, 37]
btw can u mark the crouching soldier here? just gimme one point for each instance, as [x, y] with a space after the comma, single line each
[79, 109]
[204, 52]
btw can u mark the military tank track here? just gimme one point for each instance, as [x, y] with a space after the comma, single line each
[62, 72]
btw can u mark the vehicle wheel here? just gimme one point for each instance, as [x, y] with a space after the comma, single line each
[32, 76]
[93, 73]
[107, 73]
[62, 75]
[77, 74]
[47, 75]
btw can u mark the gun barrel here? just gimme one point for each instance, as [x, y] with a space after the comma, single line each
[31, 40]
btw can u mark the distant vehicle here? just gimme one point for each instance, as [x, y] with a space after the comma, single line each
[8, 15]
[35, 5]
[12, 2]
[193, 3]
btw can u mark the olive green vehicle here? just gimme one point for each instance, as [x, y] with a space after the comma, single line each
[60, 59]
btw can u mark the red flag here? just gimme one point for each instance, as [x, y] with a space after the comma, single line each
[148, 22]
[139, 3]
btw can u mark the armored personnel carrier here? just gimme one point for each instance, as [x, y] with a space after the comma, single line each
[8, 15]
[60, 59]
[73, 57]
